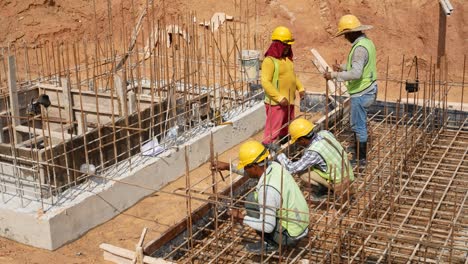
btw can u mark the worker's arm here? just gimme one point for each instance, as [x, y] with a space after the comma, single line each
[309, 159]
[272, 202]
[358, 61]
[222, 166]
[299, 86]
[268, 68]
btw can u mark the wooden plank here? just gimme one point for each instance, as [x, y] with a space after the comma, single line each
[14, 105]
[121, 91]
[132, 102]
[322, 65]
[115, 259]
[122, 255]
[138, 258]
[2, 126]
[32, 141]
[68, 102]
[442, 35]
[91, 109]
[47, 133]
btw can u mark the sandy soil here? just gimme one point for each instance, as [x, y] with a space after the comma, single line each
[400, 27]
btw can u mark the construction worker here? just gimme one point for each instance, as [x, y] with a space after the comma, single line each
[277, 207]
[280, 84]
[360, 75]
[324, 163]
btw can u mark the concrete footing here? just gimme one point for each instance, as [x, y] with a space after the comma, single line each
[83, 207]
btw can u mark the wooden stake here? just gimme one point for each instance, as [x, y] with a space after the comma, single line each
[14, 105]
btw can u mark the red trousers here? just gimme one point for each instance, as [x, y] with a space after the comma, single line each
[277, 119]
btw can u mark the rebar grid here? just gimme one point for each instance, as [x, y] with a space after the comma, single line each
[409, 206]
[396, 217]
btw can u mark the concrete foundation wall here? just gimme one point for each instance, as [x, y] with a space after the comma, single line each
[98, 203]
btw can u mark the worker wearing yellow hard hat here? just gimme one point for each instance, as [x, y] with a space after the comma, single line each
[280, 84]
[360, 76]
[277, 210]
[324, 164]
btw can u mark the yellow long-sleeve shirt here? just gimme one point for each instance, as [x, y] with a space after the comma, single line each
[288, 82]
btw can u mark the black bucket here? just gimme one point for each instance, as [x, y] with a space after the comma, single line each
[412, 87]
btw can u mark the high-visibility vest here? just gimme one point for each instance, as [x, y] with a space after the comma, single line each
[338, 165]
[369, 73]
[294, 214]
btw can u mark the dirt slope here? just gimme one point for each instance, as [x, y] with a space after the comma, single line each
[400, 27]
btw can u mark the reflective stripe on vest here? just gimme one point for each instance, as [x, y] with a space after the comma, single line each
[294, 215]
[369, 73]
[335, 156]
[275, 80]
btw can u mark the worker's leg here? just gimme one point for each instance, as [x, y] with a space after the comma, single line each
[275, 115]
[314, 178]
[283, 237]
[289, 115]
[318, 186]
[279, 236]
[358, 119]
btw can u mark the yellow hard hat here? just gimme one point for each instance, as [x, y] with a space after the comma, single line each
[350, 23]
[251, 152]
[282, 34]
[299, 128]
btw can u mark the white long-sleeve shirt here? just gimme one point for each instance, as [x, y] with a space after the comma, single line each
[269, 199]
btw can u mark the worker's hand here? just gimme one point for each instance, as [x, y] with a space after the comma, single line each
[220, 166]
[236, 215]
[273, 147]
[284, 102]
[336, 67]
[302, 95]
[327, 75]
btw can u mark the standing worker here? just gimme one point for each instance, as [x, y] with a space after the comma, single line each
[324, 164]
[280, 84]
[360, 75]
[278, 206]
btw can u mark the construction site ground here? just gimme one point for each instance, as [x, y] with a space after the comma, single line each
[408, 28]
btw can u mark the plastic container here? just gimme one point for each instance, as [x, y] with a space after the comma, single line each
[250, 65]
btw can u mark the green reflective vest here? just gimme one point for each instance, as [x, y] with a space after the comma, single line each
[335, 156]
[369, 73]
[294, 214]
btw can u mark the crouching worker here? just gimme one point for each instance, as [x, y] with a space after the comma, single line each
[324, 164]
[277, 207]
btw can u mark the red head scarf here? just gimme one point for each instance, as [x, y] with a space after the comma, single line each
[276, 50]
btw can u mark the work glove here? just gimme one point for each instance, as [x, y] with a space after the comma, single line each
[272, 147]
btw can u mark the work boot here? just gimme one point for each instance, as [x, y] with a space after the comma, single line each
[256, 248]
[352, 145]
[363, 153]
[318, 194]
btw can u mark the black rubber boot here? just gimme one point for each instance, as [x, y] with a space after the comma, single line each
[256, 248]
[362, 153]
[318, 193]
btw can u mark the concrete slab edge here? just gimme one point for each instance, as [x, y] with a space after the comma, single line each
[68, 223]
